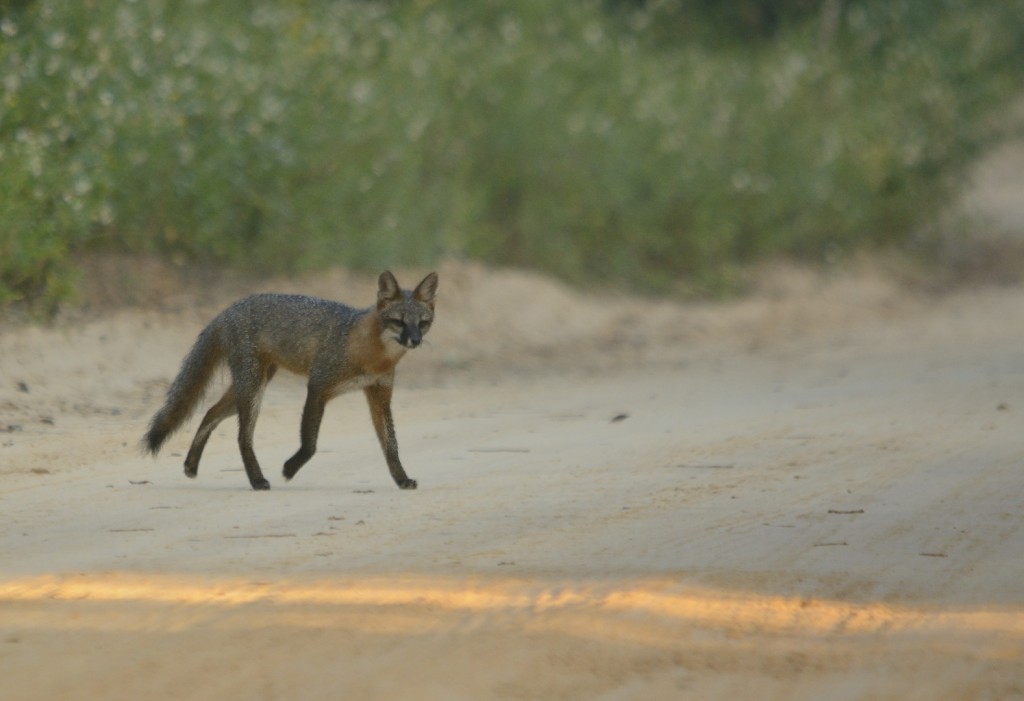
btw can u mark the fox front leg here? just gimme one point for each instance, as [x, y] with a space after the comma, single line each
[378, 396]
[312, 415]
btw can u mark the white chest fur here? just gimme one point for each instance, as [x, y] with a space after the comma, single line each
[359, 382]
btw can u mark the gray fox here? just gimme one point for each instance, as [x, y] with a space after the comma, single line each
[339, 348]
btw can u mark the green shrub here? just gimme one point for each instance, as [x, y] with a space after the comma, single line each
[578, 138]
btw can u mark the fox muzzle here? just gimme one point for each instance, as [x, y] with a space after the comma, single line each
[411, 336]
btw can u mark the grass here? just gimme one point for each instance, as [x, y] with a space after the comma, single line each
[648, 145]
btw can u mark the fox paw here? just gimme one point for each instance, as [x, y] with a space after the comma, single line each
[407, 483]
[261, 485]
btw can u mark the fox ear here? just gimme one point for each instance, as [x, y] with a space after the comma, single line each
[426, 290]
[387, 288]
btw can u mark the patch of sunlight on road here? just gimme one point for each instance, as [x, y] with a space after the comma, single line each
[644, 611]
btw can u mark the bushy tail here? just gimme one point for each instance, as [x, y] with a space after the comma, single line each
[186, 390]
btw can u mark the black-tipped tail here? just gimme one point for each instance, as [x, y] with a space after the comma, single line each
[155, 437]
[186, 391]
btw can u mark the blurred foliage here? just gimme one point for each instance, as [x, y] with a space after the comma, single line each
[649, 143]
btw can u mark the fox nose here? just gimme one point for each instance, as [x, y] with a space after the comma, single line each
[410, 337]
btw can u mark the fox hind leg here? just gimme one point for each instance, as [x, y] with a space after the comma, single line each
[226, 406]
[248, 397]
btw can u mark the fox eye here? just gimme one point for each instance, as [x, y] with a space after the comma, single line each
[424, 323]
[397, 323]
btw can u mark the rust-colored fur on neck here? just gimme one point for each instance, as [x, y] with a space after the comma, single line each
[371, 354]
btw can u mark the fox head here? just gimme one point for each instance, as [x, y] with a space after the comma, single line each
[405, 317]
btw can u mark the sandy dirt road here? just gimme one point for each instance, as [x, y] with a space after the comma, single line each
[813, 493]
